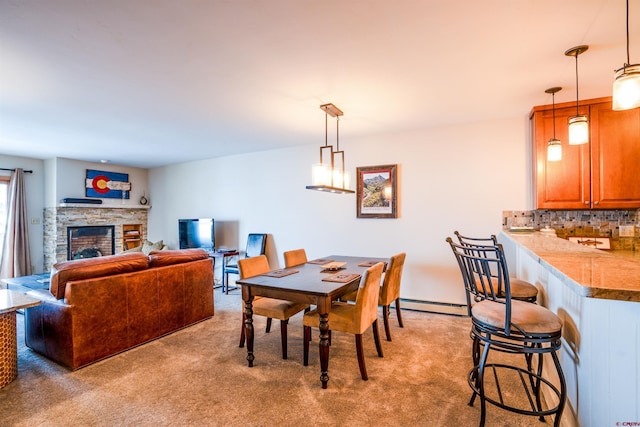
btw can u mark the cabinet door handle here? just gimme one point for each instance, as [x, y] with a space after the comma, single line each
[586, 202]
[596, 202]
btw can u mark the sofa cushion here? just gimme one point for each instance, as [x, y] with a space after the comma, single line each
[170, 257]
[87, 268]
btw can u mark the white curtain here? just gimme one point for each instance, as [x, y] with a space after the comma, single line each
[16, 257]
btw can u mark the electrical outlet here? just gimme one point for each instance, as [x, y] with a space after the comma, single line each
[626, 231]
[35, 220]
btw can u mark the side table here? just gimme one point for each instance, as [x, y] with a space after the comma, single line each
[10, 301]
[222, 254]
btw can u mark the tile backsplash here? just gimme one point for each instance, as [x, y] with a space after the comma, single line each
[591, 223]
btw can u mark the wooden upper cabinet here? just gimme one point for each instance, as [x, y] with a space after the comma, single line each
[615, 157]
[564, 184]
[602, 174]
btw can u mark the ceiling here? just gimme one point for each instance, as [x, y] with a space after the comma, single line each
[153, 82]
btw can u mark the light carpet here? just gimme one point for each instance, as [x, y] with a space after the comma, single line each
[199, 377]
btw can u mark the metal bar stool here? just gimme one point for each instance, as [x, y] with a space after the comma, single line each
[510, 326]
[520, 289]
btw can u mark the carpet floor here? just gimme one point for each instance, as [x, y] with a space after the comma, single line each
[199, 377]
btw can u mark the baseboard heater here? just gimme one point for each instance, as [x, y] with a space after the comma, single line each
[434, 307]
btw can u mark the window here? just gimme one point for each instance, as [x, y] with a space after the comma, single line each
[4, 202]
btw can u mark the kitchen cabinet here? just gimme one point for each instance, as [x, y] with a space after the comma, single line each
[602, 174]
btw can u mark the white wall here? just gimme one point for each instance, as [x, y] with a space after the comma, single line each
[450, 178]
[34, 189]
[55, 179]
[66, 178]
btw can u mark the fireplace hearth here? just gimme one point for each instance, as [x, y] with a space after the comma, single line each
[90, 241]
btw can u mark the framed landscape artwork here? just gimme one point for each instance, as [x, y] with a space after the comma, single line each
[376, 191]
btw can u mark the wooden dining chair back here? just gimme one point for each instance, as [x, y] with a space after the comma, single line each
[508, 326]
[253, 267]
[520, 289]
[390, 291]
[352, 318]
[267, 307]
[366, 305]
[295, 257]
[256, 246]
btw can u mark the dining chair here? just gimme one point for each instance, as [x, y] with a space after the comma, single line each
[256, 245]
[520, 289]
[352, 318]
[264, 306]
[295, 257]
[389, 291]
[507, 325]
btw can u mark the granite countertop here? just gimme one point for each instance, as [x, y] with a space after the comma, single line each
[589, 272]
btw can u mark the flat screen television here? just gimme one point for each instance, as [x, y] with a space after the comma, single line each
[196, 233]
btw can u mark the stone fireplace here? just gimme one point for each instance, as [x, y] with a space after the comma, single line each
[58, 220]
[88, 241]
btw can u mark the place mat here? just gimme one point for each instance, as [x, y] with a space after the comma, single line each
[341, 277]
[368, 263]
[280, 273]
[320, 261]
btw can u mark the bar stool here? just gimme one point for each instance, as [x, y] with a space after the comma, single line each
[521, 290]
[508, 326]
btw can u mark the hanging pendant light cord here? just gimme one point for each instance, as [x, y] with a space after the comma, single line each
[577, 97]
[553, 100]
[326, 128]
[337, 133]
[628, 60]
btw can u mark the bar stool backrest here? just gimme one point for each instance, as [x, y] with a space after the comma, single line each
[476, 241]
[484, 272]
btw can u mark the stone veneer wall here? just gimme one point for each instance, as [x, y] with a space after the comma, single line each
[587, 223]
[57, 219]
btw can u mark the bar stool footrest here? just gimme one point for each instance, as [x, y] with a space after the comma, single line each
[528, 381]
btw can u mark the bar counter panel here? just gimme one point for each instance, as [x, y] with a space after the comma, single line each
[595, 294]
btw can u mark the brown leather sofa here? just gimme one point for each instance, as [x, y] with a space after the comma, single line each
[98, 307]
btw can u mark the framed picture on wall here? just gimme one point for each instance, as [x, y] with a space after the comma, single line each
[376, 191]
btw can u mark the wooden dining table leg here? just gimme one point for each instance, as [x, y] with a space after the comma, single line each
[248, 322]
[323, 312]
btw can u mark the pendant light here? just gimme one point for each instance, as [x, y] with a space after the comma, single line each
[626, 85]
[554, 149]
[578, 124]
[326, 175]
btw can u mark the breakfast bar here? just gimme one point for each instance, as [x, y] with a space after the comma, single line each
[596, 294]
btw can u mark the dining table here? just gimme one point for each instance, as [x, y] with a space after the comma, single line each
[310, 283]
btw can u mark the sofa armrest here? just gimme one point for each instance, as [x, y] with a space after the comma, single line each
[49, 328]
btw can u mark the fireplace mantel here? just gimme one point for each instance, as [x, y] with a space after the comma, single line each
[91, 206]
